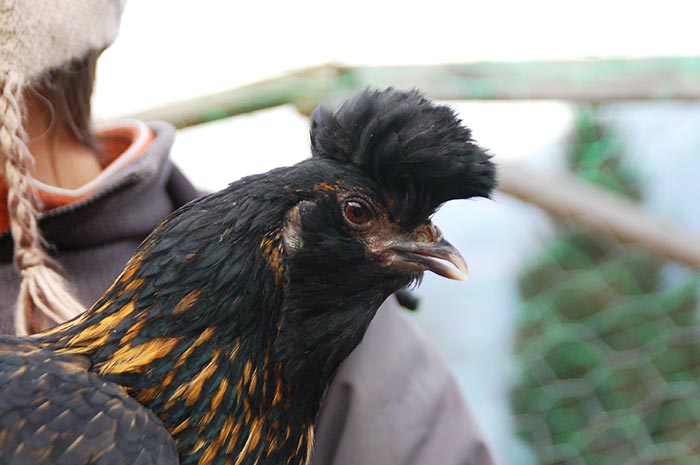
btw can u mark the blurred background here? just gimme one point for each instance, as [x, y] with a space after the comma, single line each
[576, 339]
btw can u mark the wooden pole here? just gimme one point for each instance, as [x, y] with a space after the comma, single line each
[567, 197]
[574, 81]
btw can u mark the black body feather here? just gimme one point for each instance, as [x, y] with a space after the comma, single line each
[232, 318]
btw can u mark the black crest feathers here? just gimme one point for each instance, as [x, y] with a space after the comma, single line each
[407, 144]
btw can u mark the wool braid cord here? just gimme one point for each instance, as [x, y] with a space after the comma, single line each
[44, 298]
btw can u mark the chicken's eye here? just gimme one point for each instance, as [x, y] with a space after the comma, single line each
[357, 213]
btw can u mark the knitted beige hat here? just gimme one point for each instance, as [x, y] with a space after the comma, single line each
[35, 37]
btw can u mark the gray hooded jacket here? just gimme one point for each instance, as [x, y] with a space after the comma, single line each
[393, 401]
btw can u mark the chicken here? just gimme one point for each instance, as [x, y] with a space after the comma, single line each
[217, 342]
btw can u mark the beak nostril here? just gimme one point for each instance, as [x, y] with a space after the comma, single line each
[427, 233]
[430, 233]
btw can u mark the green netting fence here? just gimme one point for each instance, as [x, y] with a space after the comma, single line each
[608, 340]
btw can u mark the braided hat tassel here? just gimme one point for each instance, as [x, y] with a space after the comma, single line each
[44, 298]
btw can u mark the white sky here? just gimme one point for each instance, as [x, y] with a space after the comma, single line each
[171, 50]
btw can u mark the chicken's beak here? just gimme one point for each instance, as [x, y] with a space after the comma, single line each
[432, 254]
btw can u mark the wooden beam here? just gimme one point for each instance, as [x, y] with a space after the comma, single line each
[576, 81]
[303, 89]
[569, 198]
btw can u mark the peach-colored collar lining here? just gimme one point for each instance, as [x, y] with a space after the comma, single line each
[123, 141]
